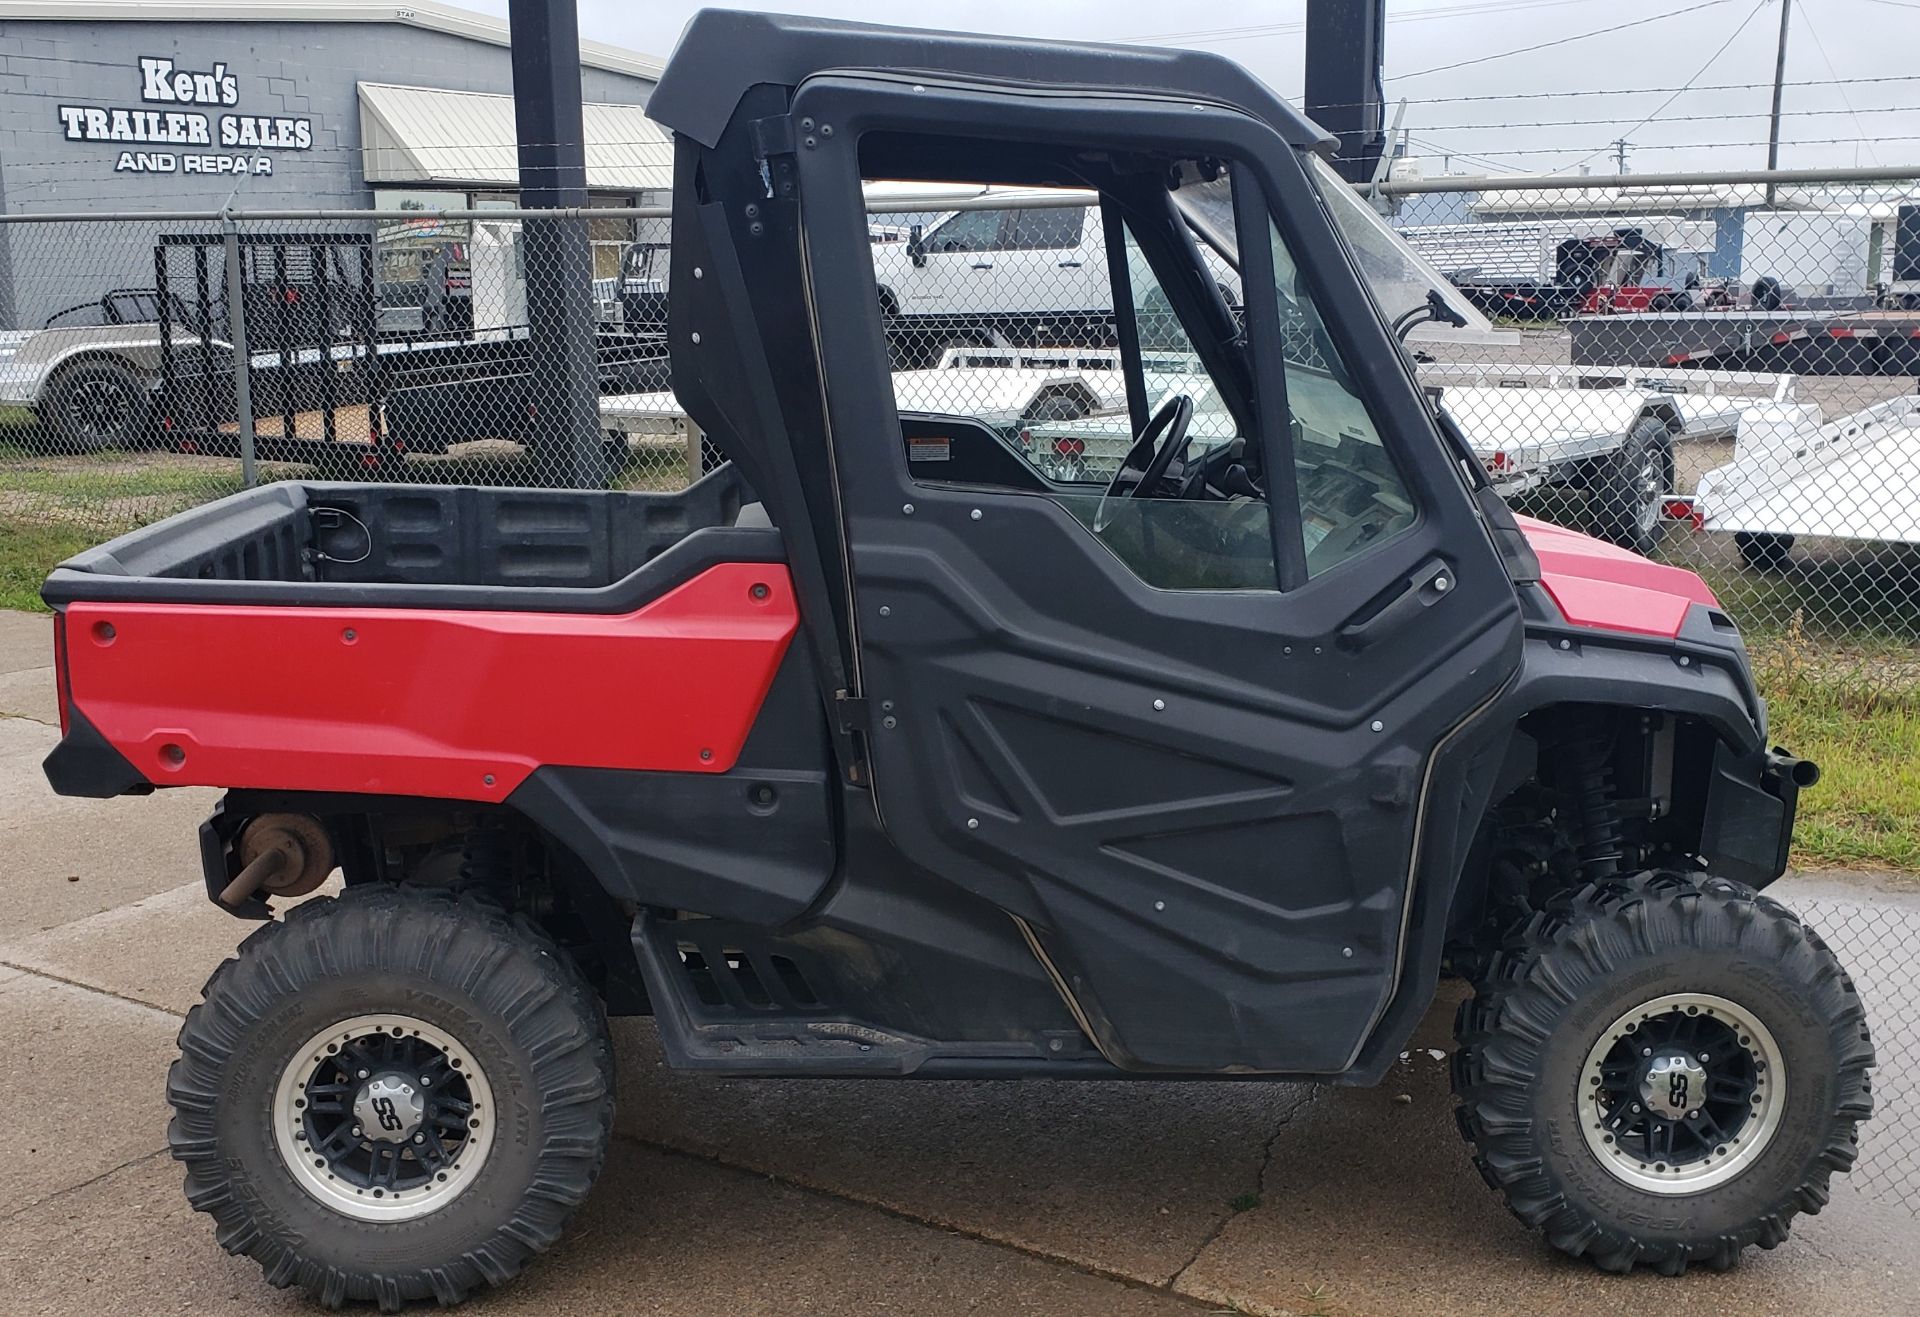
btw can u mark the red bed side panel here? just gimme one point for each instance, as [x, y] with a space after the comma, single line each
[423, 702]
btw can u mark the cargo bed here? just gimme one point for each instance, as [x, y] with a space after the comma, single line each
[425, 546]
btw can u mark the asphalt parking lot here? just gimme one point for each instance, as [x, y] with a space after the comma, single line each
[836, 1196]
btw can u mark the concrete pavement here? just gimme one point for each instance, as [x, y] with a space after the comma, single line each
[834, 1196]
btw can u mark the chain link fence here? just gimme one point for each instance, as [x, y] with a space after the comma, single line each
[1714, 371]
[148, 364]
[1735, 359]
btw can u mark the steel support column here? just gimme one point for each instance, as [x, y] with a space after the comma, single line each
[1346, 43]
[563, 395]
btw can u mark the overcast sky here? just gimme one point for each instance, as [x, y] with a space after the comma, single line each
[1660, 44]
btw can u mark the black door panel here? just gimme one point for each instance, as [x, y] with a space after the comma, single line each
[1208, 837]
[1201, 804]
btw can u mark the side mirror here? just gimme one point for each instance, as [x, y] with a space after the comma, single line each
[917, 244]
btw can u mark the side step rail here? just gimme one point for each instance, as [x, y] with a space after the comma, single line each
[729, 997]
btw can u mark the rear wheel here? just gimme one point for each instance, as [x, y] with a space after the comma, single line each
[1663, 1070]
[1627, 492]
[395, 1095]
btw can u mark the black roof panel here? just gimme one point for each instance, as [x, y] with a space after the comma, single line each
[724, 52]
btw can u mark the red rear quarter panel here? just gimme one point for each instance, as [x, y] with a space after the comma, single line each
[455, 704]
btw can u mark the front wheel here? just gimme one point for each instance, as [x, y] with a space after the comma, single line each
[1663, 1070]
[395, 1095]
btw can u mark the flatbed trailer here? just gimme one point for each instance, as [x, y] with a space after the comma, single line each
[1800, 340]
[1853, 478]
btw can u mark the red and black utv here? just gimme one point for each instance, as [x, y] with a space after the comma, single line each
[879, 752]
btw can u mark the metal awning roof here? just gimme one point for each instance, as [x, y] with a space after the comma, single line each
[429, 135]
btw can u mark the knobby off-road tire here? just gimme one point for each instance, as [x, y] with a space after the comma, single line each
[517, 1035]
[1533, 1040]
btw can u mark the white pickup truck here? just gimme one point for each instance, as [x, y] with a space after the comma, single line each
[1031, 267]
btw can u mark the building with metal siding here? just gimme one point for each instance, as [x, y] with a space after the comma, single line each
[107, 106]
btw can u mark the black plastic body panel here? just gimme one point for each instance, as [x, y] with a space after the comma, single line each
[892, 972]
[85, 763]
[425, 546]
[1746, 832]
[1204, 803]
[756, 843]
[723, 55]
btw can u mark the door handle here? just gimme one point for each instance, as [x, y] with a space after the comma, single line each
[1426, 586]
[983, 265]
[1070, 265]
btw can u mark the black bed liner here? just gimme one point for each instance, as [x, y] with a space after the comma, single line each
[326, 544]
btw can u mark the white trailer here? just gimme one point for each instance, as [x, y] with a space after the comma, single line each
[1792, 476]
[1818, 253]
[1006, 388]
[1528, 251]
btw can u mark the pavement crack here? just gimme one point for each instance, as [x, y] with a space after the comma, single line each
[1226, 1218]
[28, 718]
[926, 1223]
[58, 1194]
[95, 988]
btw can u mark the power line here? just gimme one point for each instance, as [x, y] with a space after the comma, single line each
[1639, 91]
[1687, 146]
[1442, 148]
[1561, 41]
[1806, 21]
[1684, 87]
[1213, 35]
[1691, 118]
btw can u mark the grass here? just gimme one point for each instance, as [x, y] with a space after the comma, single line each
[27, 552]
[1865, 735]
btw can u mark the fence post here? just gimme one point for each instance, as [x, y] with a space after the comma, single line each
[696, 455]
[242, 359]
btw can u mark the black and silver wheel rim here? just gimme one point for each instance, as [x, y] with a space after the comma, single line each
[1650, 493]
[97, 409]
[383, 1117]
[1681, 1093]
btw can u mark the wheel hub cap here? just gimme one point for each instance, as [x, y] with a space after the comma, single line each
[389, 1108]
[1673, 1085]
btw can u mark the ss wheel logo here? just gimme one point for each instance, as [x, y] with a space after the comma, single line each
[390, 1118]
[1676, 1090]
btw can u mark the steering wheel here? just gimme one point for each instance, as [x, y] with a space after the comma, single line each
[1173, 418]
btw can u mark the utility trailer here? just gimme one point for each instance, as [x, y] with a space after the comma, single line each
[1793, 476]
[834, 764]
[1011, 390]
[1609, 433]
[1549, 268]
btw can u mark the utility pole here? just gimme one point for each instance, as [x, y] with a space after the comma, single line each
[1620, 148]
[1779, 85]
[563, 384]
[1346, 44]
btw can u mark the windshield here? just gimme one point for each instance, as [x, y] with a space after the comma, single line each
[1397, 275]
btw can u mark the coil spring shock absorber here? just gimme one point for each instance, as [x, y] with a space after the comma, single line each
[1600, 838]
